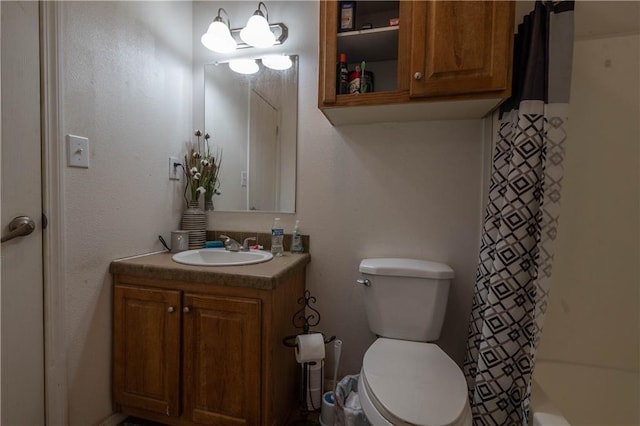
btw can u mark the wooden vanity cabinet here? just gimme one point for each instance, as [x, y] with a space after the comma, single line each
[440, 51]
[221, 353]
[194, 353]
[146, 358]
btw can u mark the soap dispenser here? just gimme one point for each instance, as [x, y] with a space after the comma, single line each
[296, 239]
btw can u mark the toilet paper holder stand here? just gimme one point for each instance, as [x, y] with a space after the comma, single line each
[305, 318]
[305, 321]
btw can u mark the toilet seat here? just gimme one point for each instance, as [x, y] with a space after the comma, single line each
[412, 383]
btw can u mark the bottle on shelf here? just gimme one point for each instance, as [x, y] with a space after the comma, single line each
[354, 80]
[277, 235]
[342, 86]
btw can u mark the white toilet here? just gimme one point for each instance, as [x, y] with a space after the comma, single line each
[405, 380]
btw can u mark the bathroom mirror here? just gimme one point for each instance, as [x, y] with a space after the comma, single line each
[254, 120]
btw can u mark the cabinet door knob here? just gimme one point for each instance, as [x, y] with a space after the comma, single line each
[171, 309]
[186, 310]
[417, 75]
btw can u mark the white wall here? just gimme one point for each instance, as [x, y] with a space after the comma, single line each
[408, 190]
[589, 358]
[127, 87]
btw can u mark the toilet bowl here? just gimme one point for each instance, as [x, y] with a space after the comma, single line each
[412, 383]
[405, 380]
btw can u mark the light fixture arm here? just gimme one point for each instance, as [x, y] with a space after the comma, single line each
[284, 32]
[219, 18]
[266, 11]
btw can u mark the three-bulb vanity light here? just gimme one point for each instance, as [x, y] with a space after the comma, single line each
[257, 33]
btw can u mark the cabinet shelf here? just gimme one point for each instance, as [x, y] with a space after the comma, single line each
[376, 44]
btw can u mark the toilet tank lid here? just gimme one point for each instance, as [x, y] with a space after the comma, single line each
[406, 268]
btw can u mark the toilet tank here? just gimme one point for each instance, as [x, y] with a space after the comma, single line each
[405, 298]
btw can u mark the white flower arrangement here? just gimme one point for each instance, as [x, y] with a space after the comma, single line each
[201, 168]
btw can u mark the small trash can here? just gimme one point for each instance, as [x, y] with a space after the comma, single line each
[348, 411]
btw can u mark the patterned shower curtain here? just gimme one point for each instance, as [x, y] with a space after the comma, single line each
[520, 220]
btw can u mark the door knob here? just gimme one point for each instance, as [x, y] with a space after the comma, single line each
[417, 75]
[19, 227]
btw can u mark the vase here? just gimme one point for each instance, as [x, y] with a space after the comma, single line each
[194, 220]
[208, 205]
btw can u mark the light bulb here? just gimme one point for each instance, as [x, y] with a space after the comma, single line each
[218, 37]
[244, 66]
[277, 62]
[257, 32]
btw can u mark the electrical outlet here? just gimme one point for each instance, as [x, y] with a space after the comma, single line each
[175, 168]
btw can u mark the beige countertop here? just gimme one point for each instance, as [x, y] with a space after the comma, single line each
[263, 276]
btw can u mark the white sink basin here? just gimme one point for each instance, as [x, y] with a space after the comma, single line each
[221, 257]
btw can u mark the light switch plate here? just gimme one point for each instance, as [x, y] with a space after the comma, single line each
[78, 151]
[174, 168]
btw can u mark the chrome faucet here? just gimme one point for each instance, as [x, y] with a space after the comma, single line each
[230, 244]
[245, 243]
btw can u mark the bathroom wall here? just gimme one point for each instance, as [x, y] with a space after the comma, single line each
[588, 362]
[127, 87]
[405, 190]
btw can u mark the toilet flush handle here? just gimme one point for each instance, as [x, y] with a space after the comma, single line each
[365, 282]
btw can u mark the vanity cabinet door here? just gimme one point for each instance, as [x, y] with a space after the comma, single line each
[461, 47]
[221, 355]
[146, 348]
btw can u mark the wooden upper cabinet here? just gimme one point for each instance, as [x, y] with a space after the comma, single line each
[146, 349]
[440, 51]
[222, 359]
[461, 48]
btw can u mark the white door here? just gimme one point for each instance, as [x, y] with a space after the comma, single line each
[21, 288]
[264, 164]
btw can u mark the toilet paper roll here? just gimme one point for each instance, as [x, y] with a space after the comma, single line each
[314, 385]
[309, 347]
[315, 375]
